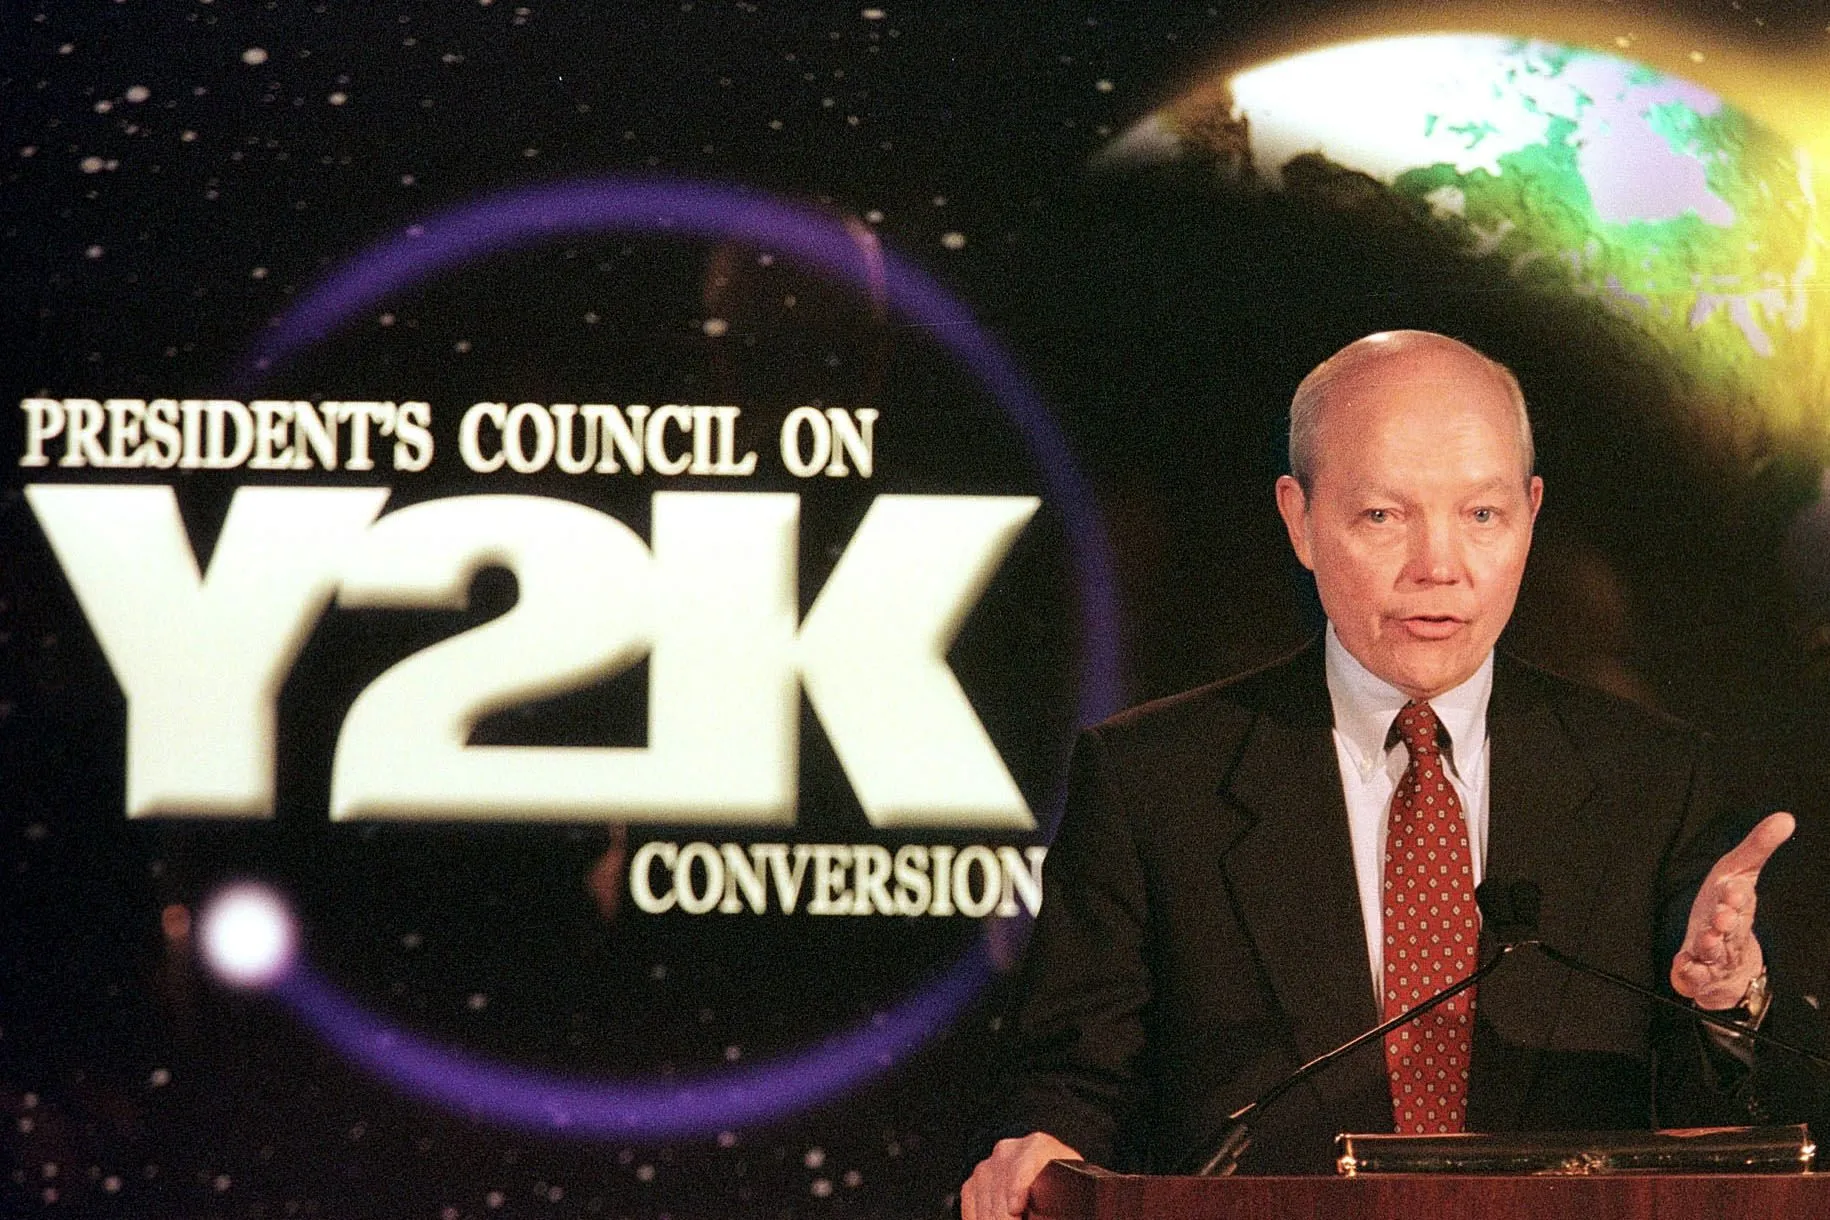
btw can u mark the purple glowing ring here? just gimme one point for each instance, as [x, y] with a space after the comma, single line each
[516, 219]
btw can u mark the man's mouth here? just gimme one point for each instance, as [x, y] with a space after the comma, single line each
[1431, 626]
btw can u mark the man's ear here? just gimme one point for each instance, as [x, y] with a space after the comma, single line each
[1293, 507]
[1536, 493]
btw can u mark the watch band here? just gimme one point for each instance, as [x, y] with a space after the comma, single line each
[1757, 1000]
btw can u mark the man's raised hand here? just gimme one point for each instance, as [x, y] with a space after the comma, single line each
[1720, 957]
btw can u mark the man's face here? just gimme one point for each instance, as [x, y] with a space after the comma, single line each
[1419, 516]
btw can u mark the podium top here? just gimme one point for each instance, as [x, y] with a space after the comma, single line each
[1075, 1190]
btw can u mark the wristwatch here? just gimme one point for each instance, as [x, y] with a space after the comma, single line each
[1754, 1003]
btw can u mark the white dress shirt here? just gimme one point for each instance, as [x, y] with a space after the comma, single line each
[1364, 708]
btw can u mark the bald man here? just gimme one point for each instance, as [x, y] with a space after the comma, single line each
[1251, 873]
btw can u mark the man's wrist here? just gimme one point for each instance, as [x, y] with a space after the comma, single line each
[1751, 1009]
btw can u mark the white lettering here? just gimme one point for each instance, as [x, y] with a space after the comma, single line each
[658, 458]
[83, 421]
[470, 444]
[1022, 877]
[873, 657]
[44, 421]
[853, 432]
[787, 880]
[272, 448]
[942, 856]
[163, 443]
[990, 884]
[622, 436]
[734, 879]
[744, 873]
[412, 436]
[711, 602]
[221, 416]
[518, 458]
[698, 901]
[870, 892]
[913, 889]
[641, 876]
[125, 416]
[201, 659]
[713, 606]
[803, 464]
[829, 894]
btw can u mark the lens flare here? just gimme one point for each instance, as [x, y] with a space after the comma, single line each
[249, 936]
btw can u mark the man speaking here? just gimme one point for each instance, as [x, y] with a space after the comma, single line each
[1251, 873]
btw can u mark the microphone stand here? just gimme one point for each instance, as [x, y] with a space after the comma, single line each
[1239, 1129]
[1702, 1014]
[1238, 1135]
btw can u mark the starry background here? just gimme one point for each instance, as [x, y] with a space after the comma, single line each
[177, 174]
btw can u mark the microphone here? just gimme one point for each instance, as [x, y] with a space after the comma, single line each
[1510, 910]
[1238, 1136]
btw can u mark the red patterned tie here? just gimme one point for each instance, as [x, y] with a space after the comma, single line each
[1431, 936]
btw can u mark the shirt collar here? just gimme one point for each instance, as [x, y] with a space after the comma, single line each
[1365, 706]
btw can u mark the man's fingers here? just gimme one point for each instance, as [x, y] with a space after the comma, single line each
[1751, 854]
[999, 1187]
[1733, 913]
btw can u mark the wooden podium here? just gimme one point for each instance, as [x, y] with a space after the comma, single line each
[1074, 1190]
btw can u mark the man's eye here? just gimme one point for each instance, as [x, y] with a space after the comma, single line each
[1484, 516]
[1378, 516]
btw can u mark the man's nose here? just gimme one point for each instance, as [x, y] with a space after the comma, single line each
[1435, 557]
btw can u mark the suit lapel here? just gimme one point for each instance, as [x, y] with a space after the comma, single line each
[1292, 877]
[1538, 830]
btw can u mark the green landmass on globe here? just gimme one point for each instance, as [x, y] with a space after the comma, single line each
[1584, 173]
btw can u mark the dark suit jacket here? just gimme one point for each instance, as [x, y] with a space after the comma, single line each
[1201, 935]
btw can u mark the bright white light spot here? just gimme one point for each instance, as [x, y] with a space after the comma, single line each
[248, 936]
[138, 93]
[953, 241]
[254, 56]
[715, 327]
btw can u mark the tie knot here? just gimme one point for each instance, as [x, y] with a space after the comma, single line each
[1417, 725]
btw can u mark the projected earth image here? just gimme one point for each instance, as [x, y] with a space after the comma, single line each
[1585, 173]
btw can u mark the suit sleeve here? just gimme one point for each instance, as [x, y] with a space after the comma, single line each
[1079, 1023]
